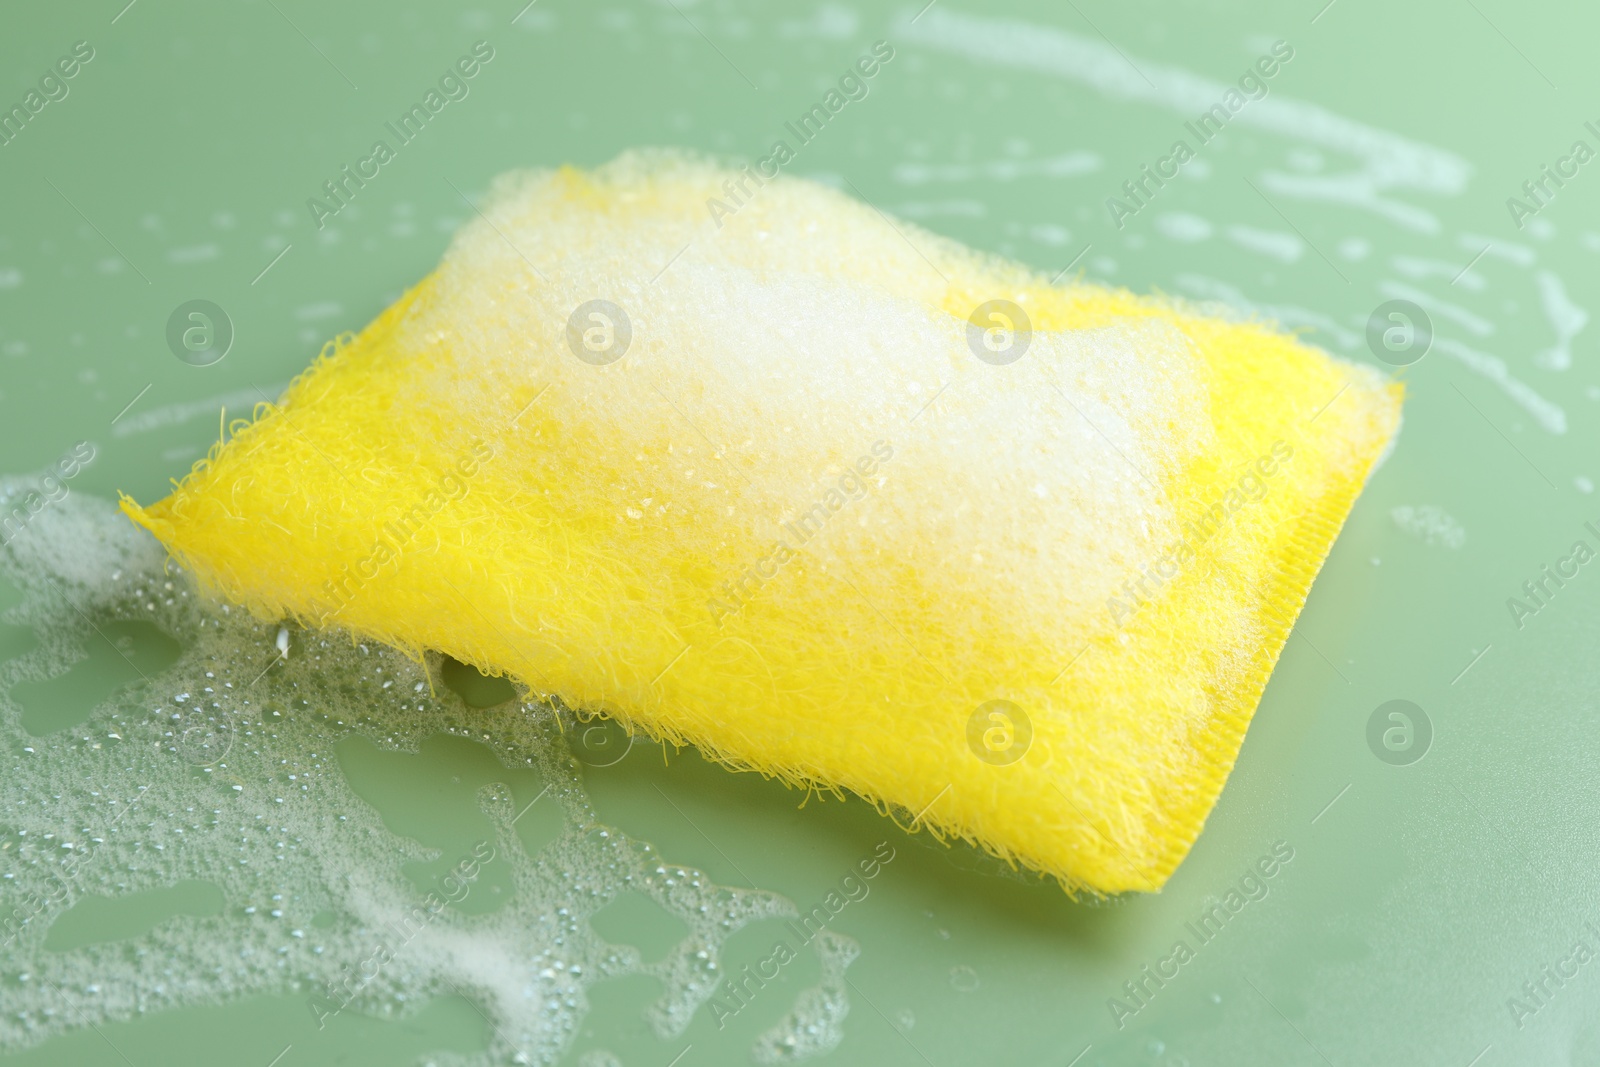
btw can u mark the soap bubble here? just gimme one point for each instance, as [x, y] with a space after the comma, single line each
[201, 737]
[259, 805]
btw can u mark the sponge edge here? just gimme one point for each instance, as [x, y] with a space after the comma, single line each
[782, 499]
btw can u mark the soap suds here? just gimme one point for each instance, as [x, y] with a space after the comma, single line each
[221, 769]
[1548, 414]
[1387, 162]
[1066, 165]
[1566, 318]
[1182, 226]
[816, 1025]
[1283, 247]
[1431, 525]
[1440, 309]
[1421, 268]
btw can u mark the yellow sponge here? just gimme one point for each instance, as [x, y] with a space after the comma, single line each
[749, 465]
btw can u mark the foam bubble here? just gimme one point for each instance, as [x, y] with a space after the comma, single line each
[1431, 525]
[221, 769]
[816, 1025]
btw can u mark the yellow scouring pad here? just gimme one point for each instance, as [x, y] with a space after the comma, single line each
[751, 466]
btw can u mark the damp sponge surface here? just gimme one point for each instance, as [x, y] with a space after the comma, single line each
[796, 489]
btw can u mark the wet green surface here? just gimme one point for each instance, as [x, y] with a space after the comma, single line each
[1421, 895]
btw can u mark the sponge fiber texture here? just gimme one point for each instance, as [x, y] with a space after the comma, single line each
[828, 496]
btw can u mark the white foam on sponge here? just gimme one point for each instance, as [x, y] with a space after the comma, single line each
[807, 294]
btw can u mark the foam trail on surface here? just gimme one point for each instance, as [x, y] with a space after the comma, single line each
[221, 769]
[1389, 161]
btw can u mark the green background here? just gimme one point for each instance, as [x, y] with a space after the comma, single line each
[1415, 906]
